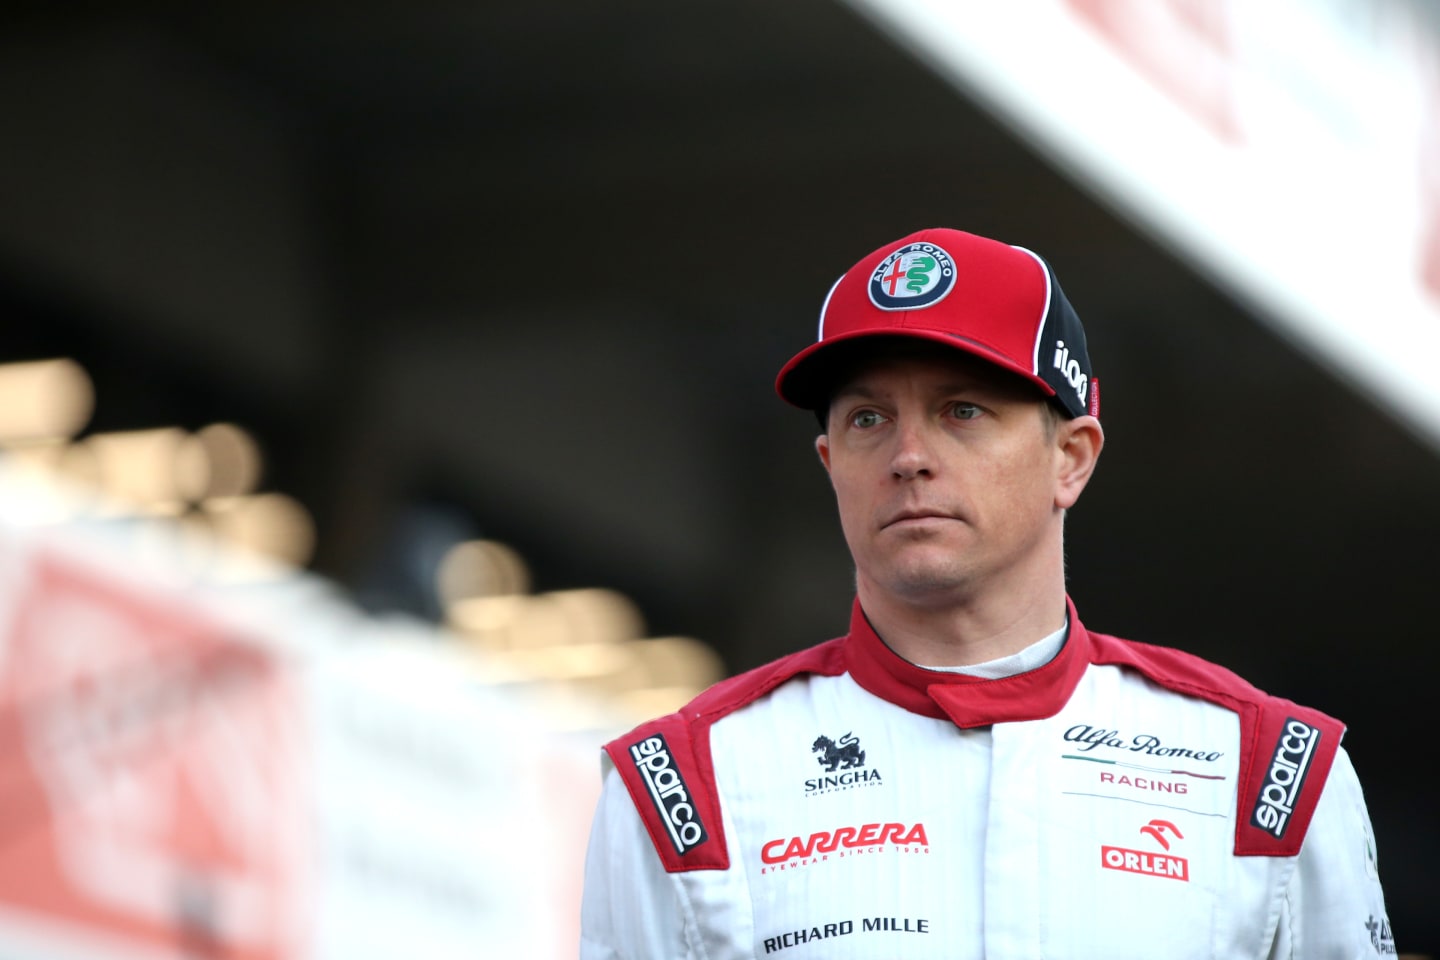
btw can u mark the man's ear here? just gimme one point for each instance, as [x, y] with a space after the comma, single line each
[1078, 443]
[822, 447]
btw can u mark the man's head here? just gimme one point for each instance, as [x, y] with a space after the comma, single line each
[952, 451]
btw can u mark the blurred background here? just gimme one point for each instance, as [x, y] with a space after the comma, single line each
[387, 410]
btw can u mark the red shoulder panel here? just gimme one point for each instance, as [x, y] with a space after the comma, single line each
[1286, 750]
[1280, 787]
[667, 766]
[674, 792]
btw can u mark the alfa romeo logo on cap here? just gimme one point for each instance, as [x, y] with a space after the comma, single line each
[917, 275]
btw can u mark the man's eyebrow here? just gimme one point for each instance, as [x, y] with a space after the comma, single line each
[865, 393]
[854, 390]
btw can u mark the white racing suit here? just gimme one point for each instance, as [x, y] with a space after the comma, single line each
[1123, 800]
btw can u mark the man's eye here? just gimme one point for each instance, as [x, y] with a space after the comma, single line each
[965, 411]
[866, 419]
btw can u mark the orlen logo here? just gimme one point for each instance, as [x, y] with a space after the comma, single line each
[1150, 864]
[667, 789]
[1288, 767]
[829, 841]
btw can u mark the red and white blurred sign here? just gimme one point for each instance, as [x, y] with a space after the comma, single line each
[1291, 149]
[257, 771]
[148, 771]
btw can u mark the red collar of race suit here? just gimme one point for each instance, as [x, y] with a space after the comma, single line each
[968, 701]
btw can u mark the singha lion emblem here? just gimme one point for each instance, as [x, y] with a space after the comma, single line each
[846, 754]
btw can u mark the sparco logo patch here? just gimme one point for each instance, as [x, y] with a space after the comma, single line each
[1288, 769]
[917, 275]
[668, 790]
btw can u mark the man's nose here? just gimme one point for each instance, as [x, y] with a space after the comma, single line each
[913, 455]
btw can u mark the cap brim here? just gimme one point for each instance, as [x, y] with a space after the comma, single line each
[808, 380]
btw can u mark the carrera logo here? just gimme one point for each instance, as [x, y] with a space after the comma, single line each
[917, 275]
[843, 840]
[1149, 864]
[1288, 768]
[667, 789]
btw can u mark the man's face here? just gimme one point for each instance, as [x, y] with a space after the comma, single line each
[948, 476]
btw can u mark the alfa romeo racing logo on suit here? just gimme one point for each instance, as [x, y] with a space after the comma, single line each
[917, 275]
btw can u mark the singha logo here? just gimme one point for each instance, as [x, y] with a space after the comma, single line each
[845, 755]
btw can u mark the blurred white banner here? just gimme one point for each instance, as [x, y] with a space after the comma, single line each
[1290, 149]
[203, 755]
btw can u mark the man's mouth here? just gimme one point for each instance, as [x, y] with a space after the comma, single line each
[916, 517]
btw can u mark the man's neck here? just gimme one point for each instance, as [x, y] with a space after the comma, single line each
[963, 631]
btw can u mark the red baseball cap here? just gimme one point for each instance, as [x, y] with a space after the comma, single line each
[996, 301]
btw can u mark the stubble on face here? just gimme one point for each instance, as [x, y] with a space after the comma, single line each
[986, 535]
[936, 509]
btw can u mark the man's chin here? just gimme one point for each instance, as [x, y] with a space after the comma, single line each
[927, 585]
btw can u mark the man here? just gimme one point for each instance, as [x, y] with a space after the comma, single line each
[970, 772]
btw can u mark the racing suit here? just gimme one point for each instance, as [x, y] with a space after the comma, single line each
[1122, 800]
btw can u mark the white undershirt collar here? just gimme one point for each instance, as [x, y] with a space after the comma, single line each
[1033, 657]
